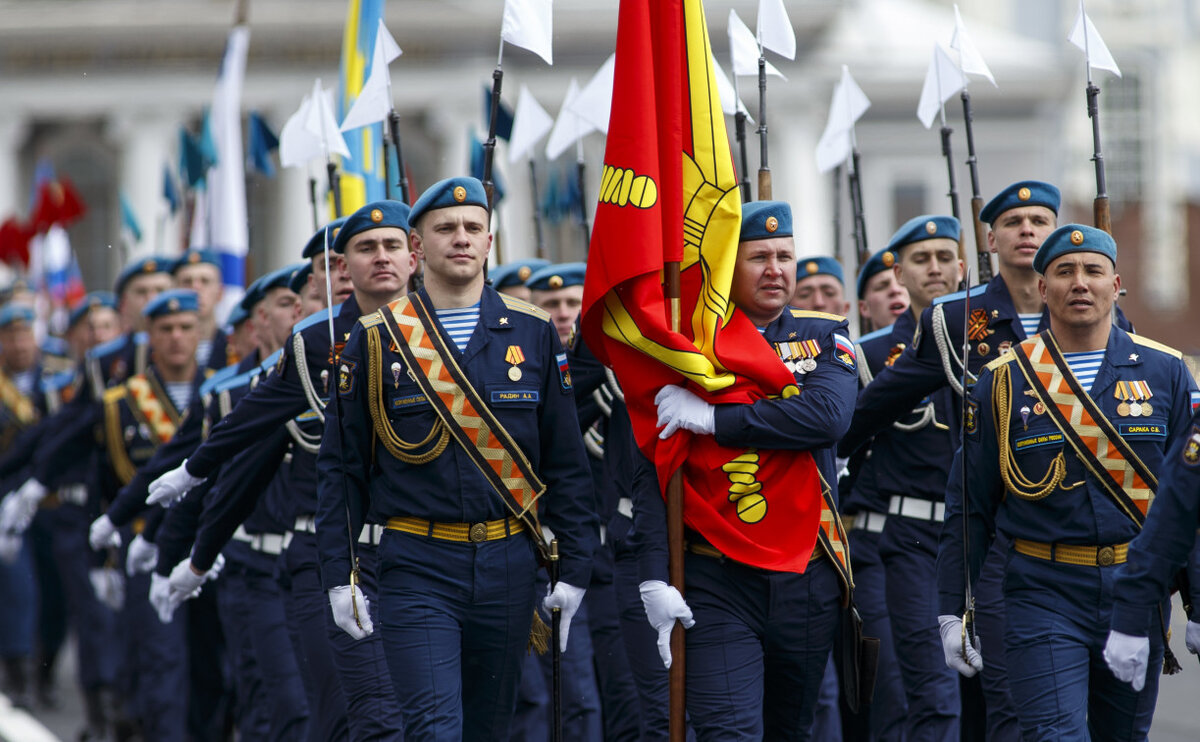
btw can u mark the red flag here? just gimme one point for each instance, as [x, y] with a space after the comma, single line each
[669, 193]
[14, 242]
[57, 203]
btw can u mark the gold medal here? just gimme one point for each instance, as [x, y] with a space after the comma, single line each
[1147, 410]
[1135, 409]
[514, 373]
[1123, 409]
[514, 355]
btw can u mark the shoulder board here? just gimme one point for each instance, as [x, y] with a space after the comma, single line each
[809, 314]
[1007, 357]
[270, 361]
[961, 294]
[519, 305]
[234, 382]
[321, 315]
[112, 346]
[217, 377]
[1148, 343]
[372, 319]
[876, 334]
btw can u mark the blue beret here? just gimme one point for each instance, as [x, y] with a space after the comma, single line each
[257, 291]
[11, 313]
[237, 315]
[819, 265]
[172, 302]
[449, 192]
[554, 277]
[145, 266]
[300, 278]
[921, 228]
[94, 299]
[195, 256]
[1071, 238]
[881, 261]
[316, 243]
[374, 215]
[515, 273]
[763, 220]
[1022, 193]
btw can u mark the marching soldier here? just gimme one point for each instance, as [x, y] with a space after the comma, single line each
[762, 637]
[1081, 415]
[458, 560]
[558, 289]
[820, 286]
[199, 270]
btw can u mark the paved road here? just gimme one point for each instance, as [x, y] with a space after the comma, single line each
[1176, 719]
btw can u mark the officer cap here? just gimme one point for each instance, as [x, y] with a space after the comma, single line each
[316, 243]
[762, 220]
[85, 305]
[300, 277]
[196, 256]
[172, 302]
[1021, 193]
[881, 261]
[1071, 238]
[262, 285]
[12, 313]
[515, 273]
[142, 267]
[820, 265]
[554, 277]
[449, 192]
[374, 215]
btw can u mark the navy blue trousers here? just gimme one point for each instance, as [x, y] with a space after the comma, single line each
[650, 677]
[455, 619]
[157, 664]
[990, 611]
[758, 651]
[618, 694]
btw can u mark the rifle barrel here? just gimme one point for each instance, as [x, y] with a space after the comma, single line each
[1101, 217]
[948, 153]
[764, 169]
[489, 146]
[401, 174]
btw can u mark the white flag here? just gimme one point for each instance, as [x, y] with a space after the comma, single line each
[775, 30]
[942, 81]
[727, 93]
[374, 101]
[568, 127]
[530, 123]
[527, 24]
[847, 107]
[297, 145]
[743, 48]
[321, 123]
[1098, 55]
[228, 232]
[594, 102]
[970, 60]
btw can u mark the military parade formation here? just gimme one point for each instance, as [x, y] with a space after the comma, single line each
[407, 490]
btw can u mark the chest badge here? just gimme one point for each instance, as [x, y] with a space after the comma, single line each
[1134, 399]
[515, 356]
[977, 325]
[396, 369]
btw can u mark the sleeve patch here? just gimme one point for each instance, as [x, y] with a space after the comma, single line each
[843, 351]
[972, 415]
[1191, 449]
[346, 369]
[564, 371]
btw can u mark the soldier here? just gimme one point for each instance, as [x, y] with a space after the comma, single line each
[458, 559]
[820, 286]
[1144, 581]
[1080, 415]
[510, 278]
[558, 289]
[761, 639]
[199, 270]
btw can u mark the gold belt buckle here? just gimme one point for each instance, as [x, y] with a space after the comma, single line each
[478, 533]
[1105, 556]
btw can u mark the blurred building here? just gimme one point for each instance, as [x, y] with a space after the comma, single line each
[100, 88]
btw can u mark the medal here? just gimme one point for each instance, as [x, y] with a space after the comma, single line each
[325, 380]
[1039, 408]
[1123, 409]
[983, 349]
[395, 374]
[514, 373]
[1147, 410]
[1135, 409]
[1025, 416]
[515, 356]
[808, 364]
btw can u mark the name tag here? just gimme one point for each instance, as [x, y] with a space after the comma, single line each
[516, 395]
[1153, 430]
[1036, 441]
[410, 400]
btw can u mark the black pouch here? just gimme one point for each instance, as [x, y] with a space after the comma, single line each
[857, 658]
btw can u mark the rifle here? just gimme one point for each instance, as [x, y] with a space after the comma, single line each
[982, 257]
[764, 171]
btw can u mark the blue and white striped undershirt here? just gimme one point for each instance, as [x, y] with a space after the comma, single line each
[1029, 322]
[1084, 366]
[180, 393]
[459, 323]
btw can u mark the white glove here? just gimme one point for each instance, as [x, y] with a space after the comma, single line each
[167, 489]
[103, 534]
[680, 408]
[1127, 657]
[109, 586]
[1192, 637]
[566, 598]
[952, 647]
[664, 605]
[343, 611]
[160, 597]
[141, 557]
[19, 507]
[185, 583]
[215, 570]
[10, 546]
